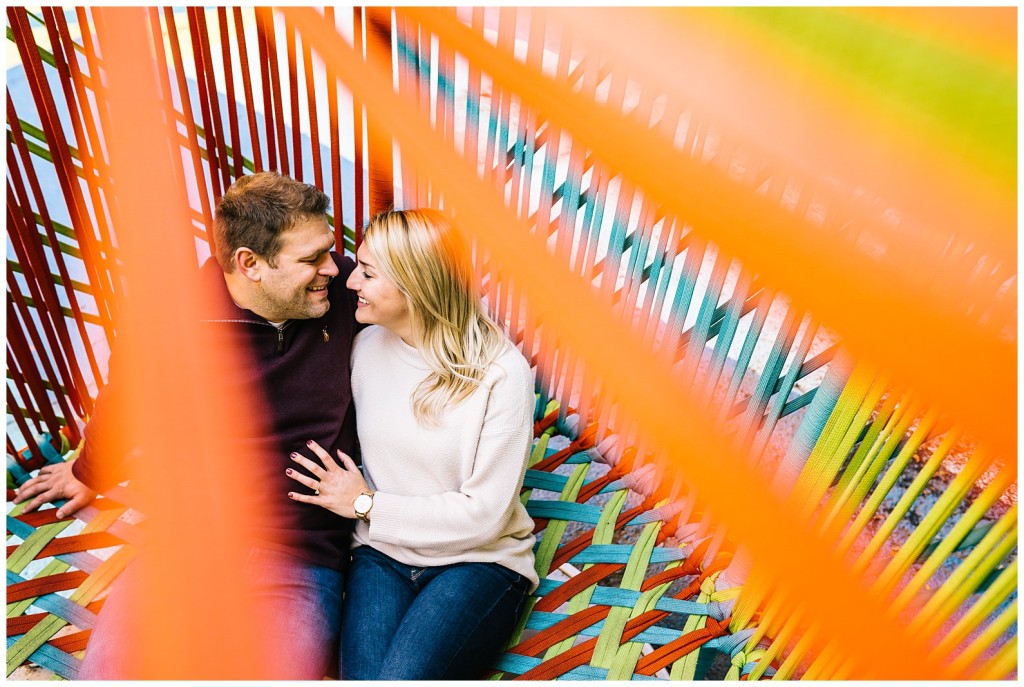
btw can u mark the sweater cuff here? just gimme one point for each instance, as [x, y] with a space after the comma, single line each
[385, 518]
[80, 469]
[83, 469]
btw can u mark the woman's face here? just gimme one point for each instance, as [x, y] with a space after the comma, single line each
[380, 301]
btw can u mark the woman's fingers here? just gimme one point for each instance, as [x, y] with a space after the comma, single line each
[317, 471]
[302, 479]
[324, 456]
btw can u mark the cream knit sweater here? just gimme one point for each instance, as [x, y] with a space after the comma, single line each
[447, 494]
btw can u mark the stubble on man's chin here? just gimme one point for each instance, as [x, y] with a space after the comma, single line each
[313, 314]
[327, 306]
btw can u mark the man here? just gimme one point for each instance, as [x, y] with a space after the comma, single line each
[280, 303]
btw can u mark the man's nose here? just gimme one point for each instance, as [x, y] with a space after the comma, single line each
[329, 268]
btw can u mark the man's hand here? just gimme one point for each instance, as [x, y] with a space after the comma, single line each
[55, 482]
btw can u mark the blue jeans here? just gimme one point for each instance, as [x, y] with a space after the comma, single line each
[447, 622]
[301, 600]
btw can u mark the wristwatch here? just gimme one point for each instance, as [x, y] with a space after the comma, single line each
[362, 505]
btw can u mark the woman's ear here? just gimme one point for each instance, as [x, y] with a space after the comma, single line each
[247, 263]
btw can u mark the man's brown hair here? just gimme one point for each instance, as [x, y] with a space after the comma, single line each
[258, 209]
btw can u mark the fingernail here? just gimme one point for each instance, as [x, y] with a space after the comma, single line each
[288, 471]
[295, 456]
[291, 495]
[60, 514]
[309, 443]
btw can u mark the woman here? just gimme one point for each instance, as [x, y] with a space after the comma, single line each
[442, 558]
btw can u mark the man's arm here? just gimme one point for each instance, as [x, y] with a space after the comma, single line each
[99, 466]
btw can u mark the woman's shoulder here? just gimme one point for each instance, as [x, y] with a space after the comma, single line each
[510, 386]
[369, 339]
[510, 364]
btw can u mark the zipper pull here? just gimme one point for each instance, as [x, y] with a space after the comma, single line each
[327, 337]
[280, 340]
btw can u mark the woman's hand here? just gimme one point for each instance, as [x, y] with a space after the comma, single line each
[335, 486]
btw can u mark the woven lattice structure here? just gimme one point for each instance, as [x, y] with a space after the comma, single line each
[639, 577]
[618, 597]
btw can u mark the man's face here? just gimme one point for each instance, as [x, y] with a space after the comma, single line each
[296, 289]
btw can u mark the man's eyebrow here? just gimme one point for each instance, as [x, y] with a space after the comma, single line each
[315, 254]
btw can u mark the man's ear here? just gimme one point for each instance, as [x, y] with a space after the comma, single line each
[247, 263]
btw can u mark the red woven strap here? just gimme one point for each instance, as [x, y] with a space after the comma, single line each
[582, 653]
[563, 629]
[79, 542]
[47, 585]
[71, 642]
[21, 624]
[575, 585]
[250, 108]
[38, 518]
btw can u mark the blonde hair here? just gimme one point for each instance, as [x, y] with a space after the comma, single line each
[422, 253]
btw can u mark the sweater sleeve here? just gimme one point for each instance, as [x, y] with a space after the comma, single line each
[478, 513]
[108, 441]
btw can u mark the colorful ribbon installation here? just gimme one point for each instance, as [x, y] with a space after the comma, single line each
[704, 198]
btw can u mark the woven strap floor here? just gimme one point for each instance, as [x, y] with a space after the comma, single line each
[624, 593]
[57, 573]
[618, 599]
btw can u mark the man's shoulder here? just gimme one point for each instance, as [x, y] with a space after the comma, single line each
[345, 265]
[337, 288]
[342, 300]
[210, 269]
[217, 303]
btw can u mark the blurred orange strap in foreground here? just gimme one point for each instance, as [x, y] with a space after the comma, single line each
[191, 620]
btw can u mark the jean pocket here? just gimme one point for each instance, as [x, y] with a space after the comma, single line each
[517, 583]
[506, 573]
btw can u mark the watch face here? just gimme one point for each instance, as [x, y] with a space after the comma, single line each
[363, 503]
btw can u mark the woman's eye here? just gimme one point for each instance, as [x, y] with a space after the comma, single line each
[366, 276]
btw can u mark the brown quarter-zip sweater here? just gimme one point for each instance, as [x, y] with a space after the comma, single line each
[301, 374]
